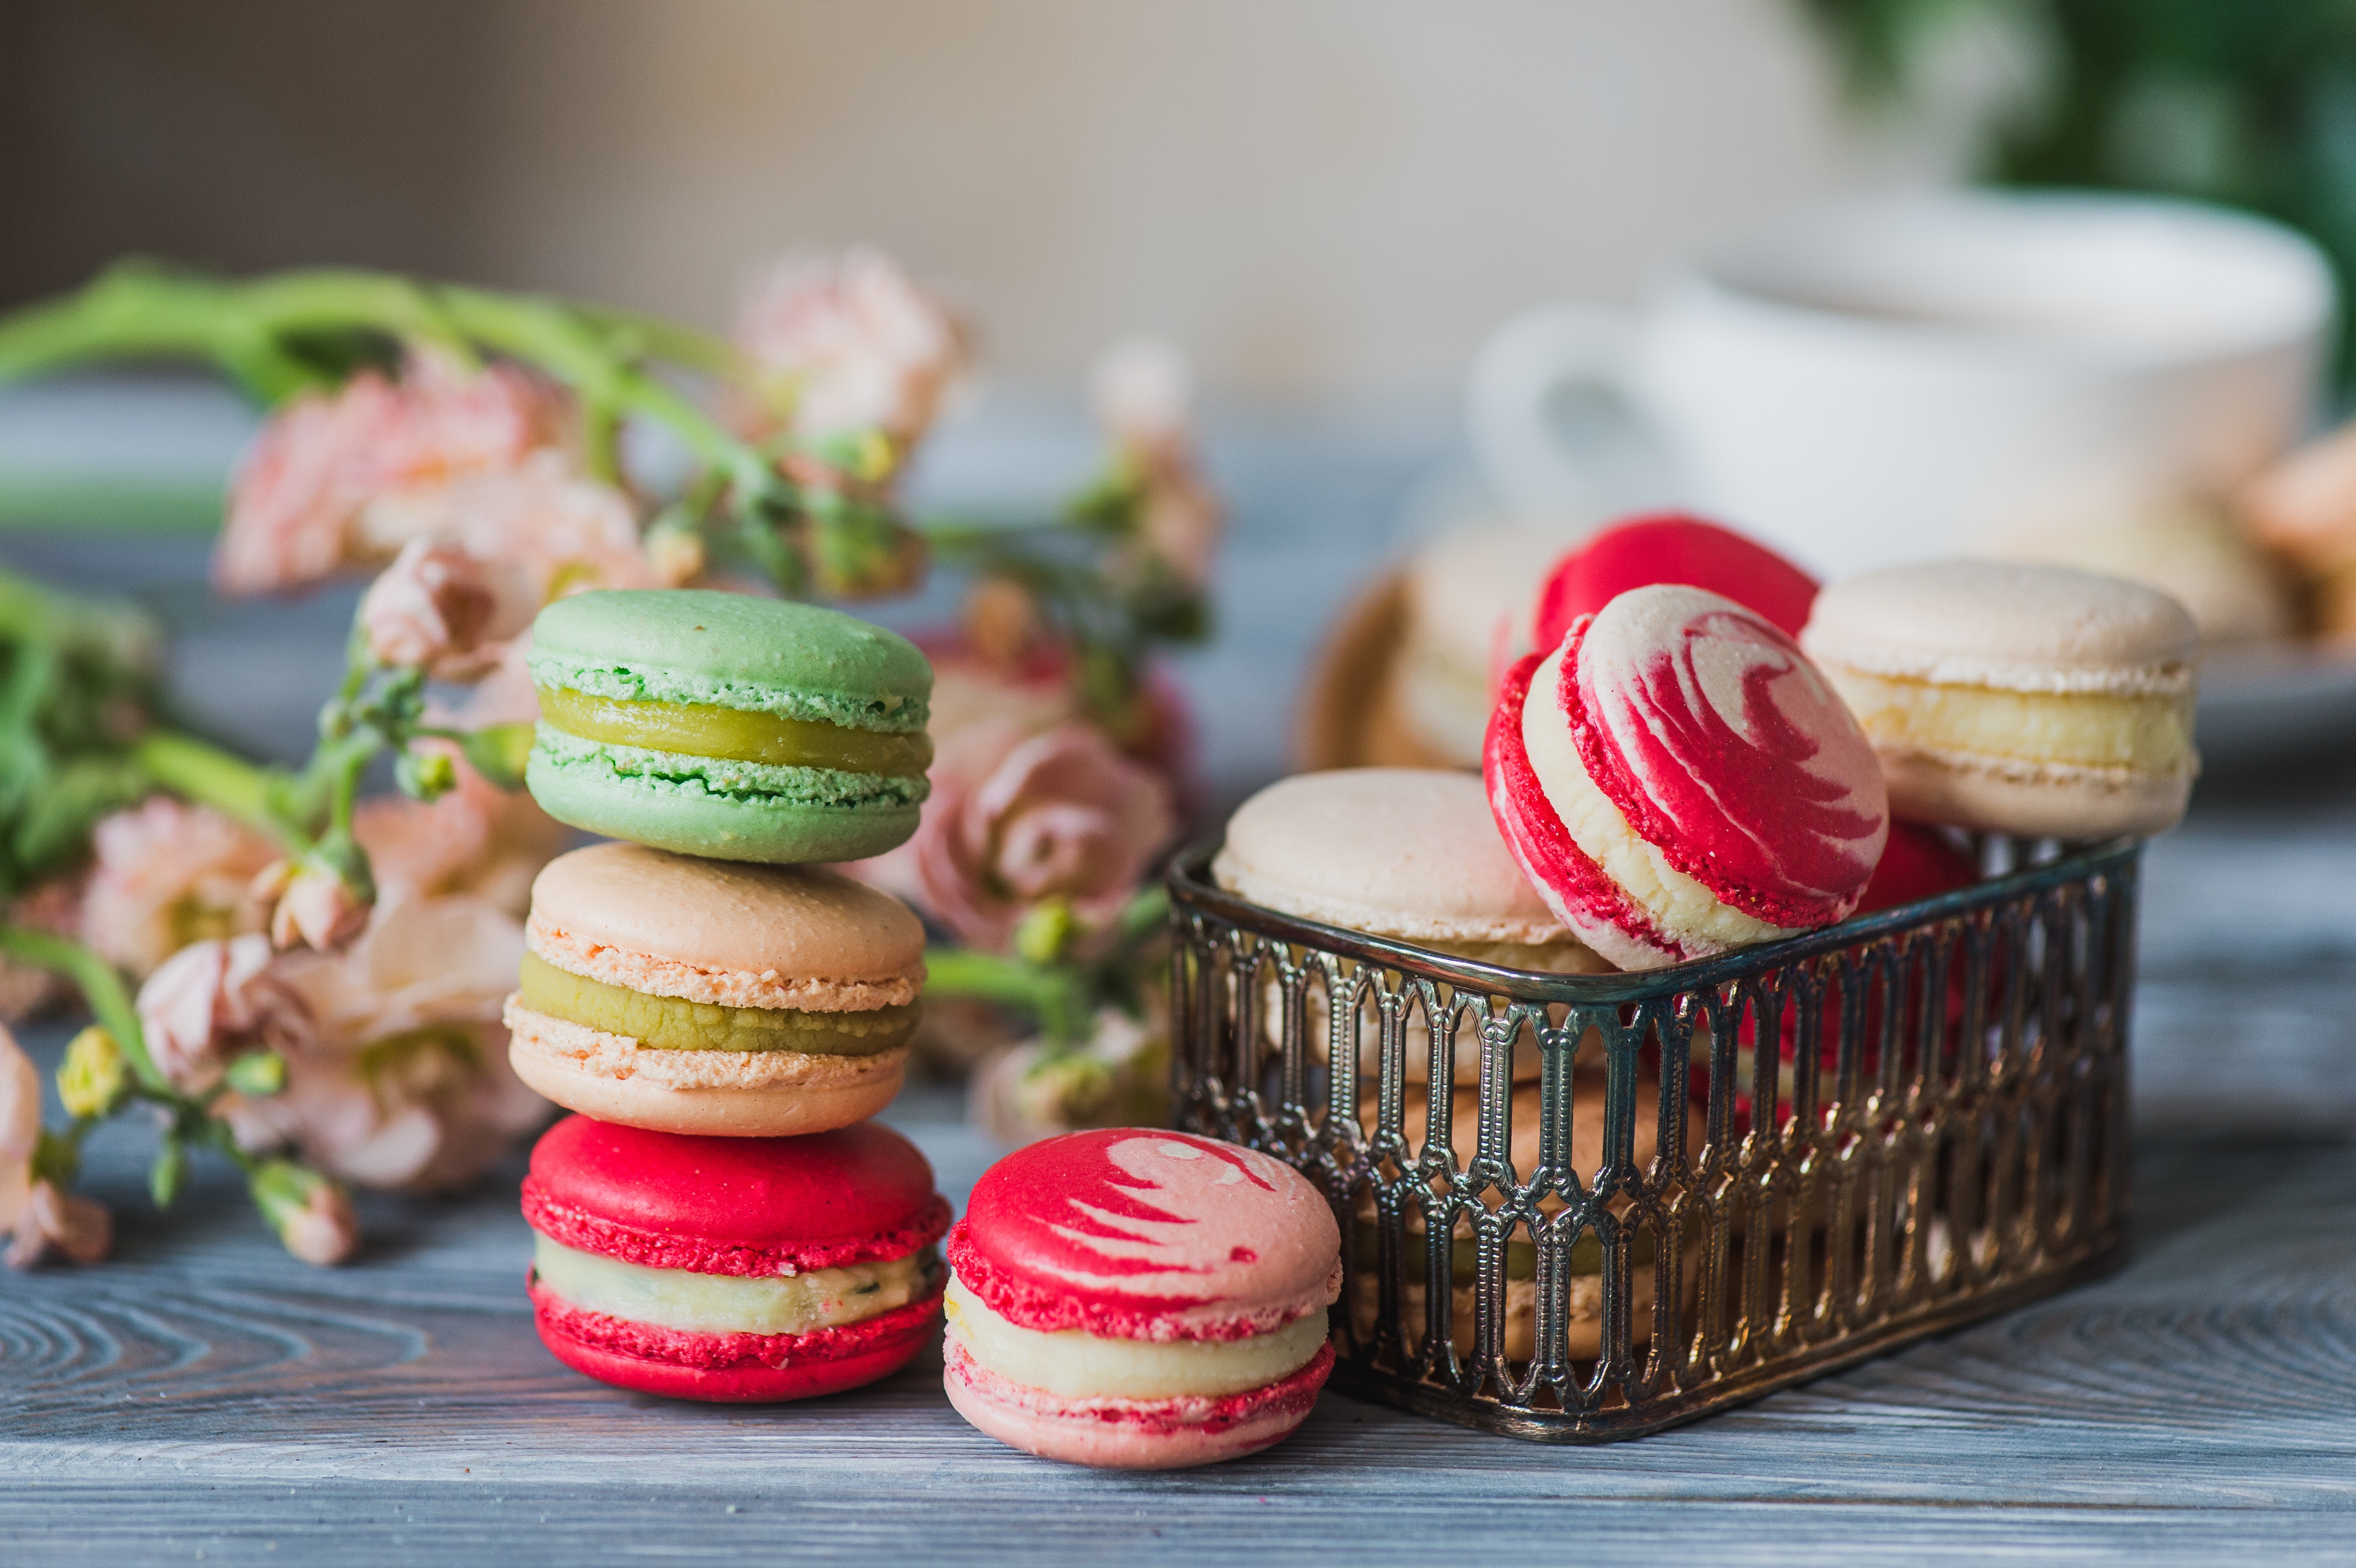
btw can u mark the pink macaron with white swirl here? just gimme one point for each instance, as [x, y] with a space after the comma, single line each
[1678, 781]
[1140, 1299]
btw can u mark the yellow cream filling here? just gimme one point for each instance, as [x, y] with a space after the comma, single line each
[728, 1303]
[2150, 734]
[1676, 902]
[701, 730]
[1078, 1365]
[673, 1023]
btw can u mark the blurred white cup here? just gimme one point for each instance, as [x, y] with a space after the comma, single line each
[1885, 381]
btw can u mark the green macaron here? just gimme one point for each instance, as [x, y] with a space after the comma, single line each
[727, 726]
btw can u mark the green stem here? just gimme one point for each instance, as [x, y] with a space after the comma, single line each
[1057, 995]
[102, 987]
[206, 775]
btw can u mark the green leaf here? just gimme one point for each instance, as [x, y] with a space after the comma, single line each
[169, 1174]
[498, 752]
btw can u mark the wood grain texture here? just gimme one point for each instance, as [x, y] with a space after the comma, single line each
[204, 1397]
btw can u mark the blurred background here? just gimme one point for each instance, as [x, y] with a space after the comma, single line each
[1331, 208]
[1324, 201]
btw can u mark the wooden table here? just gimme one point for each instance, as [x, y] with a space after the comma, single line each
[202, 1397]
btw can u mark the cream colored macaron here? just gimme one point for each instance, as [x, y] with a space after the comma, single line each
[691, 996]
[1411, 854]
[2017, 698]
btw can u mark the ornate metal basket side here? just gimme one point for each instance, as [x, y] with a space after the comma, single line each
[1885, 1130]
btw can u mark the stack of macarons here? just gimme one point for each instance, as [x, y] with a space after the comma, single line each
[720, 1221]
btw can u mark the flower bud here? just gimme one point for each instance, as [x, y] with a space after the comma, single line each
[55, 1221]
[312, 1215]
[498, 752]
[437, 607]
[93, 1076]
[425, 775]
[325, 903]
[675, 550]
[1045, 933]
[257, 1073]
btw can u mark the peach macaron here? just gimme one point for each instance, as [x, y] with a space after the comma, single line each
[2037, 701]
[713, 997]
[1679, 781]
[1133, 1298]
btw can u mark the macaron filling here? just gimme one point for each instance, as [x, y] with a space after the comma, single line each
[730, 1303]
[677, 1023]
[708, 730]
[1075, 1364]
[2149, 733]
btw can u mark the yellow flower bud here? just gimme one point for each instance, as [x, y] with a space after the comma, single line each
[94, 1074]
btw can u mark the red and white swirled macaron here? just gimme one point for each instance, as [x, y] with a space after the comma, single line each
[1679, 781]
[1141, 1299]
[733, 1269]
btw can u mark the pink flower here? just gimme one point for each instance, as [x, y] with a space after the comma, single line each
[168, 874]
[405, 1082]
[442, 609]
[56, 1221]
[1181, 522]
[39, 1216]
[1142, 391]
[1015, 819]
[212, 998]
[20, 1128]
[298, 495]
[475, 838]
[561, 530]
[848, 343]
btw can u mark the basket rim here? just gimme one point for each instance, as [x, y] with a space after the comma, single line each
[1191, 889]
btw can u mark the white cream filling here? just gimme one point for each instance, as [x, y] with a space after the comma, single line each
[1078, 1365]
[1677, 903]
[728, 1303]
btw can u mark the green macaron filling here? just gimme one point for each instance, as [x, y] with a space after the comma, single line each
[706, 730]
[730, 1303]
[674, 1023]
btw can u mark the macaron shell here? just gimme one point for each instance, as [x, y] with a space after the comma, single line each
[1404, 852]
[686, 818]
[732, 1369]
[1672, 548]
[1132, 1435]
[732, 650]
[734, 1206]
[1572, 884]
[2009, 625]
[1727, 751]
[797, 922]
[1139, 1234]
[2052, 800]
[542, 1051]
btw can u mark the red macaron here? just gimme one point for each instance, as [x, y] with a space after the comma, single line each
[733, 1269]
[1677, 780]
[1141, 1299]
[1671, 546]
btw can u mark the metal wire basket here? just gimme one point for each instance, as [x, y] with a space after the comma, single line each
[1718, 1180]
